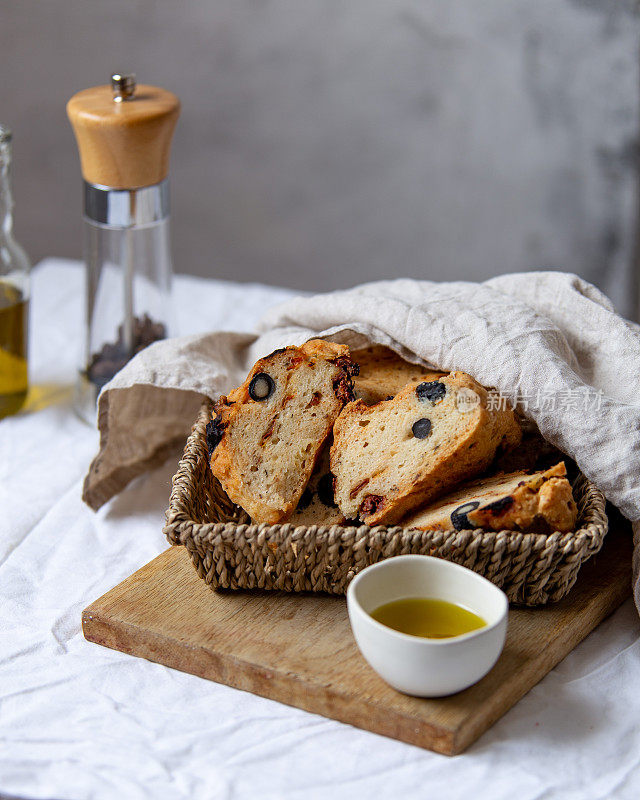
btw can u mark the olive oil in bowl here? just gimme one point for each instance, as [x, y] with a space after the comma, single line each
[468, 643]
[428, 617]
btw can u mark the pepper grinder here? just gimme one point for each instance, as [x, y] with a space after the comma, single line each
[124, 133]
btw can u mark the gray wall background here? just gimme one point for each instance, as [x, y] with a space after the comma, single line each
[323, 143]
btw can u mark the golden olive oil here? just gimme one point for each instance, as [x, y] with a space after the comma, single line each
[13, 349]
[428, 617]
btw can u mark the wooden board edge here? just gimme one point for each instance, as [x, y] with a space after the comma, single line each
[239, 674]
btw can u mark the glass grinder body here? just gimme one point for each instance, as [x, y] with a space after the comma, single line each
[124, 136]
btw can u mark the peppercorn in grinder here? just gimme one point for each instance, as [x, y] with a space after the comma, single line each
[124, 133]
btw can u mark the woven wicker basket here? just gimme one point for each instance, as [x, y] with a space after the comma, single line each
[231, 553]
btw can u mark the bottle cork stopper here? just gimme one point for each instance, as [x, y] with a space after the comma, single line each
[124, 132]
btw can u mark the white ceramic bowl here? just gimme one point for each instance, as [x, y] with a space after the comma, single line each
[413, 664]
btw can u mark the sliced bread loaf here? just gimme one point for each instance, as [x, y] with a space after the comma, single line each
[389, 458]
[538, 502]
[533, 453]
[266, 435]
[383, 373]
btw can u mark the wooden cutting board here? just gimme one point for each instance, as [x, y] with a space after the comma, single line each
[299, 649]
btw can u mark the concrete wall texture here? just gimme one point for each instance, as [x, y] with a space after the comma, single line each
[325, 143]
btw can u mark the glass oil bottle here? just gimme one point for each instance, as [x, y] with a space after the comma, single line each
[14, 295]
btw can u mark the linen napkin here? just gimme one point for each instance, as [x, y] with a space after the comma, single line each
[550, 342]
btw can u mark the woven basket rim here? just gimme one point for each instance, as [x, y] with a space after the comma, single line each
[234, 553]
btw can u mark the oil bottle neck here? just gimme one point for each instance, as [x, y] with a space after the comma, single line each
[6, 198]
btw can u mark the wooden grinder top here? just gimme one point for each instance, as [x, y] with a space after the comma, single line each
[124, 132]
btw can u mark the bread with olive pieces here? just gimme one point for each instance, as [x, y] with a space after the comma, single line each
[530, 502]
[317, 506]
[265, 436]
[383, 373]
[392, 457]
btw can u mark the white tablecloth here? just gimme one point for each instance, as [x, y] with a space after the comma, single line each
[81, 721]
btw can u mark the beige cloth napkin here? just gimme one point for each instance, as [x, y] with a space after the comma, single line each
[548, 341]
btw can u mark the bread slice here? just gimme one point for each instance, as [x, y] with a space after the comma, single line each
[317, 506]
[266, 435]
[383, 373]
[401, 453]
[538, 502]
[533, 453]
